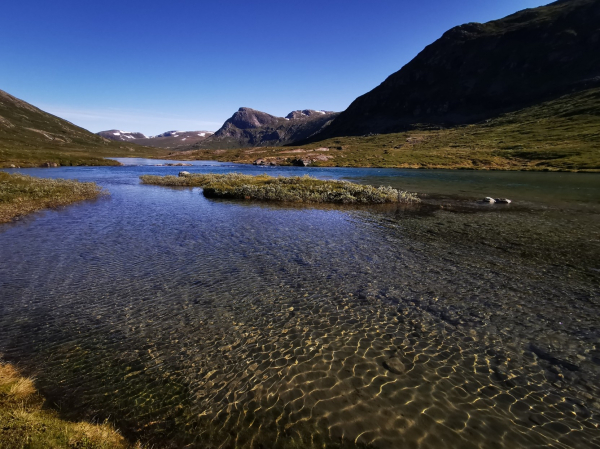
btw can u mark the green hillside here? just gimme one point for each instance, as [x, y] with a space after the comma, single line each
[30, 137]
[562, 134]
[478, 71]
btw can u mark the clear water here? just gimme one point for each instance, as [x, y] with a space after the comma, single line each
[203, 323]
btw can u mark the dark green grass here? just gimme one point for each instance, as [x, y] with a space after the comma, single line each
[295, 189]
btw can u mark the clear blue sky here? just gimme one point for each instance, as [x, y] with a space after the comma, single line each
[152, 65]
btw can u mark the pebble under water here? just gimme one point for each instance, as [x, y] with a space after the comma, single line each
[190, 322]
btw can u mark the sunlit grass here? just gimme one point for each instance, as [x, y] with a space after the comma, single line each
[25, 421]
[21, 194]
[295, 189]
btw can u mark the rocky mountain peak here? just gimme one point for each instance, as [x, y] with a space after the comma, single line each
[300, 114]
[247, 118]
[117, 134]
[249, 127]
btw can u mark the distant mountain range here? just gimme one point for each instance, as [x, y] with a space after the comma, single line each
[169, 139]
[246, 128]
[251, 128]
[477, 71]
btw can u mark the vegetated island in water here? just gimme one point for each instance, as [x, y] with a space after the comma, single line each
[21, 194]
[297, 189]
[27, 422]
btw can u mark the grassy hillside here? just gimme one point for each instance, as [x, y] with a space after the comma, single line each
[563, 134]
[30, 137]
[477, 71]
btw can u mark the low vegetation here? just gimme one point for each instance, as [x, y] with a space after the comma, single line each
[296, 189]
[33, 154]
[21, 194]
[25, 421]
[563, 134]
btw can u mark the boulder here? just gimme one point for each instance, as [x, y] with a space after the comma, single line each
[302, 161]
[271, 161]
[184, 173]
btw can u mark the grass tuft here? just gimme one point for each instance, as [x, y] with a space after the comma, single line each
[295, 189]
[26, 422]
[21, 194]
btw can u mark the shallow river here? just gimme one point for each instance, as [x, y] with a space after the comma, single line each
[211, 323]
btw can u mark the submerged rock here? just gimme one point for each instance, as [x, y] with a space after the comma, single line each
[489, 199]
[503, 200]
[395, 365]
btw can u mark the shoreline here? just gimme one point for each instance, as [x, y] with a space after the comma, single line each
[28, 420]
[398, 167]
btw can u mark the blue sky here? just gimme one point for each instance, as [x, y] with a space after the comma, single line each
[153, 66]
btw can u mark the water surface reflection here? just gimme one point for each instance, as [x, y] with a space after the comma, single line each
[236, 324]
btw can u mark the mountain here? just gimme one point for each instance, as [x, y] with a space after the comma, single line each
[32, 137]
[123, 136]
[251, 128]
[560, 134]
[167, 140]
[477, 71]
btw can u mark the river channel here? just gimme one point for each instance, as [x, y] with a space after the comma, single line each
[193, 322]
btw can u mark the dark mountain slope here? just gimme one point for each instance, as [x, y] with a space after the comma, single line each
[477, 71]
[560, 134]
[32, 137]
[251, 128]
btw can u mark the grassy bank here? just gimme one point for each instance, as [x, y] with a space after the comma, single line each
[32, 155]
[563, 134]
[20, 194]
[296, 189]
[25, 421]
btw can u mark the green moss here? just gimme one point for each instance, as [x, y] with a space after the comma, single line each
[296, 189]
